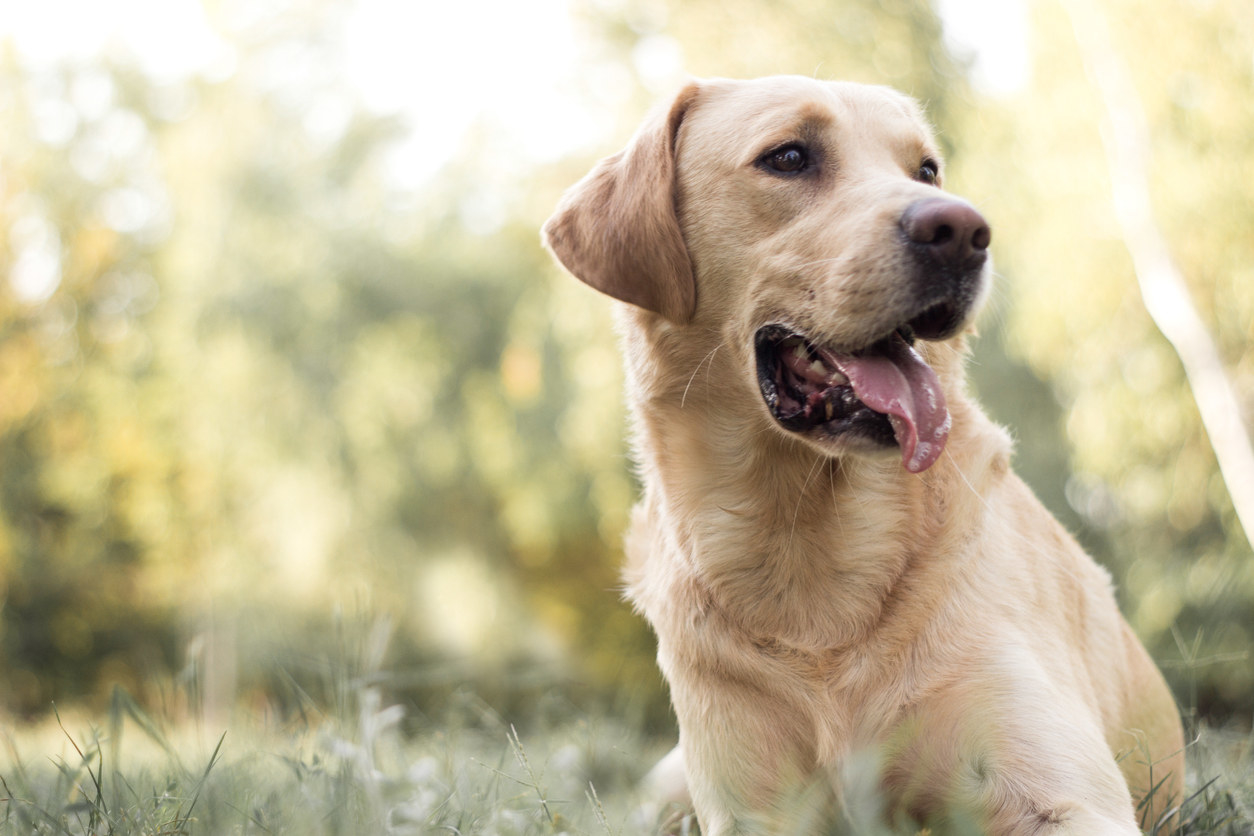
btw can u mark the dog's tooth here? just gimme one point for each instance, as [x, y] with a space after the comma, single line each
[829, 409]
[818, 368]
[838, 379]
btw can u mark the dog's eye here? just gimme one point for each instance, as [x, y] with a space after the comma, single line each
[929, 172]
[787, 160]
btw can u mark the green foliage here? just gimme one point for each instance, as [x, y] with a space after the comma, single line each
[269, 385]
[91, 484]
[245, 379]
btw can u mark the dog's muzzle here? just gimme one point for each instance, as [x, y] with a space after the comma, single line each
[885, 393]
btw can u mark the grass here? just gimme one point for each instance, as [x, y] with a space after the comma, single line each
[476, 774]
[1221, 799]
[479, 775]
[367, 769]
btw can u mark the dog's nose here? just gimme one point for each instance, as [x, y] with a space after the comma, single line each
[950, 229]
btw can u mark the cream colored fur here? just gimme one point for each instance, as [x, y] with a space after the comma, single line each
[816, 605]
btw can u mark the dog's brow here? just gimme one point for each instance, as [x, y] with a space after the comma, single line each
[815, 115]
[807, 122]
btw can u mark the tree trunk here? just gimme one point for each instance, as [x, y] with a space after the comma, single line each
[1163, 289]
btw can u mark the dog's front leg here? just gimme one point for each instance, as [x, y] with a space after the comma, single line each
[749, 756]
[664, 796]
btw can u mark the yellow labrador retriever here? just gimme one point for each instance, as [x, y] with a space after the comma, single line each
[836, 557]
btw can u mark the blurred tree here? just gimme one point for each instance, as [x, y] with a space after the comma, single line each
[1144, 490]
[243, 372]
[246, 377]
[91, 484]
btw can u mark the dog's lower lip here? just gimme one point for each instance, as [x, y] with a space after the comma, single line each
[804, 390]
[884, 392]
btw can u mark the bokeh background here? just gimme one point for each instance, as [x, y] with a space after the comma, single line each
[281, 357]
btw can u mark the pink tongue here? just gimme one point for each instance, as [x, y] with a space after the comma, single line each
[900, 385]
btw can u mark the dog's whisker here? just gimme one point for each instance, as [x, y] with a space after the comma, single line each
[831, 481]
[1018, 536]
[796, 514]
[817, 262]
[709, 358]
[975, 493]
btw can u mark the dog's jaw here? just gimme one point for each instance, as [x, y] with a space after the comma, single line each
[882, 395]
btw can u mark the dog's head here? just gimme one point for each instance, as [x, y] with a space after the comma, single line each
[802, 225]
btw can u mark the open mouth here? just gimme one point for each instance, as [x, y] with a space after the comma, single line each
[883, 393]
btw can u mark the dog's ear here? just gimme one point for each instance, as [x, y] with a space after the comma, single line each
[616, 229]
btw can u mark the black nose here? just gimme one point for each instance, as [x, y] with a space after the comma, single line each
[948, 229]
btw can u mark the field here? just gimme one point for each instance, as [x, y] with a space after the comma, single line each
[374, 771]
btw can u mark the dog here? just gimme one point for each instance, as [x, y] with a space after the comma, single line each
[842, 570]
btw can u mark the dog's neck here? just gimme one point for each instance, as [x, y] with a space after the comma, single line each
[792, 544]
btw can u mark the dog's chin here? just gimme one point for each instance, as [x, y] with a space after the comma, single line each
[870, 401]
